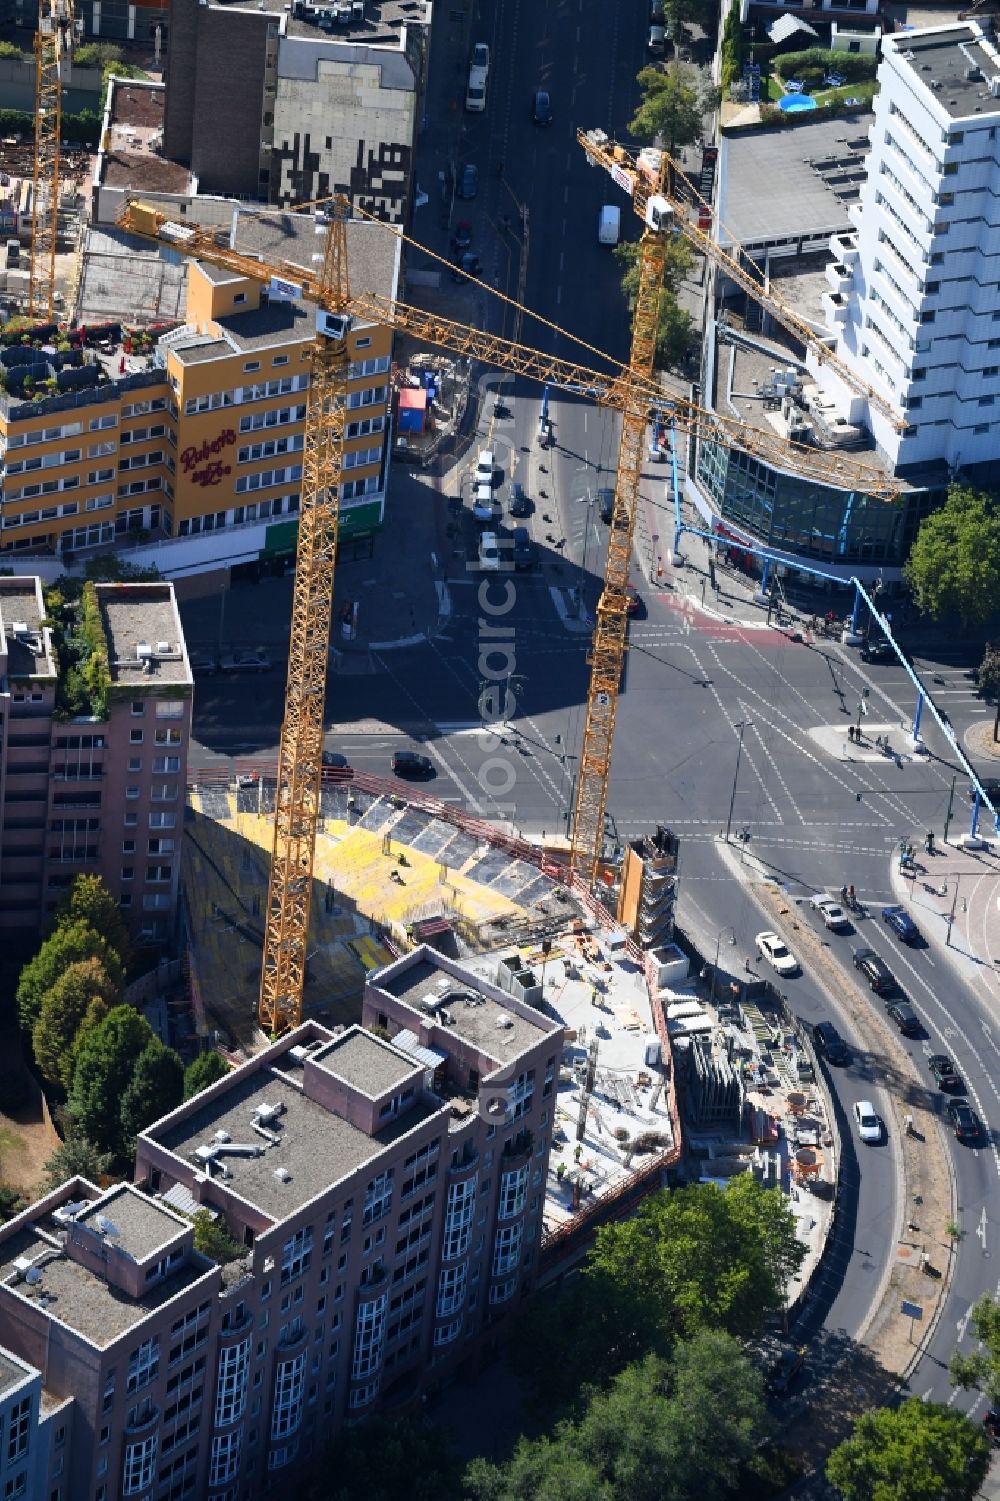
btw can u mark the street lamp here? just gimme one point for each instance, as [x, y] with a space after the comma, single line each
[571, 774]
[744, 724]
[715, 967]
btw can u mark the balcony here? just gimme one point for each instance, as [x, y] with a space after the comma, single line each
[467, 1161]
[518, 1150]
[839, 278]
[145, 1416]
[835, 308]
[844, 248]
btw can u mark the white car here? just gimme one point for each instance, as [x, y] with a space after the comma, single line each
[484, 467]
[481, 56]
[778, 955]
[484, 504]
[830, 911]
[868, 1123]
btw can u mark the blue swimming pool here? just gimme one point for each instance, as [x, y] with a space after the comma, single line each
[796, 103]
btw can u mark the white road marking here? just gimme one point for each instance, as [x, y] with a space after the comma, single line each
[981, 1230]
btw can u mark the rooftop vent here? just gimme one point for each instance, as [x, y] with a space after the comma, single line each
[503, 1022]
[222, 1136]
[283, 1174]
[22, 1266]
[20, 627]
[144, 651]
[974, 75]
[935, 83]
[266, 1114]
[206, 1153]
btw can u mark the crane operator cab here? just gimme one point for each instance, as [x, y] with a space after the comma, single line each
[659, 214]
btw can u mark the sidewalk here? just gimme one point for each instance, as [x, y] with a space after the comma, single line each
[960, 887]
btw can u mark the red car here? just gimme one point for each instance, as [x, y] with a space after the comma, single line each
[634, 607]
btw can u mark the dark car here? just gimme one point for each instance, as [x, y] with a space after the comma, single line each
[522, 549]
[462, 238]
[203, 664]
[906, 1019]
[468, 182]
[411, 764]
[902, 923]
[520, 505]
[964, 1120]
[945, 1073]
[336, 768]
[606, 505]
[634, 606]
[877, 649]
[875, 970]
[990, 785]
[465, 266]
[829, 1043]
[541, 111]
[781, 1371]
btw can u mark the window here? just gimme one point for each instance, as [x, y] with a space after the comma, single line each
[160, 820]
[169, 708]
[166, 765]
[225, 1460]
[507, 1249]
[167, 736]
[296, 1254]
[458, 1218]
[135, 763]
[369, 1334]
[378, 1198]
[451, 1290]
[239, 297]
[231, 1394]
[287, 1412]
[501, 1291]
[447, 1332]
[143, 1365]
[139, 1461]
[138, 706]
[19, 1426]
[513, 1188]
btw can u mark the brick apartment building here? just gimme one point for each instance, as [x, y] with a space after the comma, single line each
[388, 1186]
[165, 450]
[101, 794]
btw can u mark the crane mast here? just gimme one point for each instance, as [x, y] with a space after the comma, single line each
[57, 31]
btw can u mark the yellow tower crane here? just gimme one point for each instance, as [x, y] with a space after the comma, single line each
[58, 30]
[655, 171]
[625, 389]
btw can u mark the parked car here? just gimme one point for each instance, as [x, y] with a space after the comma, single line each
[776, 952]
[657, 39]
[541, 111]
[945, 1073]
[868, 1124]
[875, 970]
[335, 767]
[829, 1043]
[468, 182]
[964, 1120]
[246, 661]
[462, 238]
[485, 506]
[901, 922]
[485, 467]
[832, 913]
[412, 765]
[481, 56]
[203, 664]
[877, 650]
[523, 549]
[635, 607]
[520, 505]
[906, 1019]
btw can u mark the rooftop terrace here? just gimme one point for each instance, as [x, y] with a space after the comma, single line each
[141, 1226]
[140, 619]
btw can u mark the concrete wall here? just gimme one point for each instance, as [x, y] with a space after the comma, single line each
[17, 87]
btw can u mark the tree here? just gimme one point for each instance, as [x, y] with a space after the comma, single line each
[77, 1157]
[11, 1202]
[988, 681]
[204, 1070]
[67, 945]
[90, 901]
[388, 1459]
[212, 1238]
[920, 1451]
[676, 12]
[981, 1369]
[104, 1068]
[62, 1013]
[674, 325]
[155, 1088]
[954, 563]
[674, 105]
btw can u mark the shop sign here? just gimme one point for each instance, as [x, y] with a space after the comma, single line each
[199, 460]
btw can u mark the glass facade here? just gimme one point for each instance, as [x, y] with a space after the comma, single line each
[819, 523]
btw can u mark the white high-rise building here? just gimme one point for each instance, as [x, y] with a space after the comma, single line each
[915, 299]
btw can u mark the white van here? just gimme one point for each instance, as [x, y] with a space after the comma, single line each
[489, 552]
[475, 91]
[609, 224]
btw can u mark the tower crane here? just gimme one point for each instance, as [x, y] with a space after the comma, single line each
[632, 390]
[655, 171]
[58, 30]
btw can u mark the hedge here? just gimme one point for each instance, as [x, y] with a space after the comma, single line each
[817, 61]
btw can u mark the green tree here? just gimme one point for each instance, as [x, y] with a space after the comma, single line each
[920, 1451]
[203, 1071]
[11, 1202]
[954, 563]
[62, 1013]
[676, 12]
[76, 1157]
[673, 108]
[388, 1459]
[90, 901]
[68, 945]
[155, 1088]
[212, 1238]
[988, 681]
[733, 46]
[674, 326]
[104, 1068]
[981, 1369]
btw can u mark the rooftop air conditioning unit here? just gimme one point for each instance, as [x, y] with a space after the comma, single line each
[20, 627]
[283, 1174]
[144, 651]
[503, 1022]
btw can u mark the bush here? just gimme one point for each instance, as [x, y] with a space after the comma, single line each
[818, 61]
[11, 51]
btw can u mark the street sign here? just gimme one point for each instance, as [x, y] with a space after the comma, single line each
[911, 1310]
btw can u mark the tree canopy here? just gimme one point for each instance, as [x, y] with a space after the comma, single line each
[988, 681]
[107, 1060]
[69, 944]
[76, 1157]
[920, 1451]
[89, 900]
[203, 1071]
[674, 104]
[63, 1012]
[388, 1459]
[212, 1238]
[954, 563]
[981, 1369]
[674, 325]
[155, 1088]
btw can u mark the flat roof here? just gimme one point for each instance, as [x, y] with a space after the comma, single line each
[137, 615]
[939, 60]
[142, 170]
[270, 326]
[480, 1023]
[20, 605]
[372, 249]
[379, 25]
[305, 48]
[132, 156]
[142, 1225]
[13, 1373]
[797, 181]
[365, 1061]
[316, 1147]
